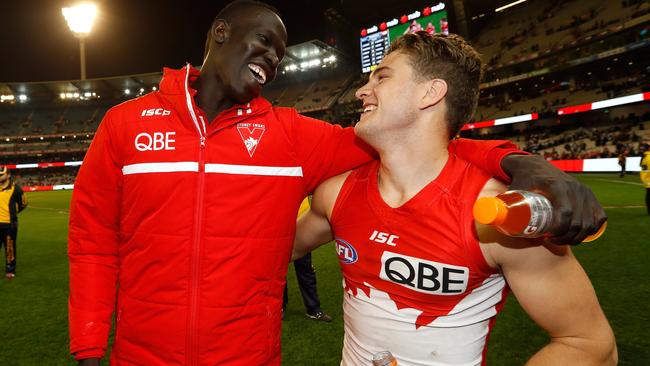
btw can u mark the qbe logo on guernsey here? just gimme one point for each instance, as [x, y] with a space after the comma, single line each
[424, 276]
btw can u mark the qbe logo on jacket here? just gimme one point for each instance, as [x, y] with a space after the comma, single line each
[424, 276]
[155, 141]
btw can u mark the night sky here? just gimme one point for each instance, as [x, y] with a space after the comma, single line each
[129, 37]
[140, 36]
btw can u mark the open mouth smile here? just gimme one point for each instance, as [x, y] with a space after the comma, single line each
[258, 73]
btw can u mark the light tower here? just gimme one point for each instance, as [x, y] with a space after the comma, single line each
[80, 20]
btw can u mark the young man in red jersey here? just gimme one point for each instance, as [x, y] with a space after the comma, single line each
[182, 221]
[422, 280]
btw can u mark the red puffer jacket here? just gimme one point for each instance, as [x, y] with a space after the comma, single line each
[195, 222]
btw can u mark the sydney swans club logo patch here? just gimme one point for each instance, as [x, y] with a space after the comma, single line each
[251, 135]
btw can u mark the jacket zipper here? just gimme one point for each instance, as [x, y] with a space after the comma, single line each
[195, 278]
[192, 351]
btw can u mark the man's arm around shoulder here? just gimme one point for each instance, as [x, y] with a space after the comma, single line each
[554, 290]
[578, 214]
[313, 228]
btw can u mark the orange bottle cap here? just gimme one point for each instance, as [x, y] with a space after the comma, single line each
[597, 235]
[490, 211]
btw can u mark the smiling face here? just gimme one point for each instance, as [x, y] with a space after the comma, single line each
[250, 48]
[390, 98]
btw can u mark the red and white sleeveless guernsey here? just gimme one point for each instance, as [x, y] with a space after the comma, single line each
[416, 283]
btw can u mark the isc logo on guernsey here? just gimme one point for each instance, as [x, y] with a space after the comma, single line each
[347, 253]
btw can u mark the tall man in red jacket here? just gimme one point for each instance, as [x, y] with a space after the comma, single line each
[187, 199]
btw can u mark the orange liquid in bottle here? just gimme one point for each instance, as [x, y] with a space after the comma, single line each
[515, 213]
[519, 213]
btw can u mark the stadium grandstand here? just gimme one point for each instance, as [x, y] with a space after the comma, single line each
[542, 58]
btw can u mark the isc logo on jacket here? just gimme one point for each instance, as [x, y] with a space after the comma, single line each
[155, 112]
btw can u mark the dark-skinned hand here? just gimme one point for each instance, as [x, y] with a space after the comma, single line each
[576, 212]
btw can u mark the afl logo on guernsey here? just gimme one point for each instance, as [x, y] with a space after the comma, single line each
[347, 253]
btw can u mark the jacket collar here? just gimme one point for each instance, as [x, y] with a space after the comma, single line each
[176, 84]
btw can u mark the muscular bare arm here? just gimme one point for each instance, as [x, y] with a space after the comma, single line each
[554, 290]
[313, 227]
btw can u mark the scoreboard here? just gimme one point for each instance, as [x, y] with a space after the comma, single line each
[373, 48]
[375, 40]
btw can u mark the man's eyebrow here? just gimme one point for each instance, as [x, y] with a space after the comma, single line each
[380, 69]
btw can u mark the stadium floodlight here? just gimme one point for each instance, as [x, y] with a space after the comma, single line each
[80, 20]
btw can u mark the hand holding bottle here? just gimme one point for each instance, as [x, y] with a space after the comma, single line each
[520, 213]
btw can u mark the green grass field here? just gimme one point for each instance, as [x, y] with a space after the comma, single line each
[33, 315]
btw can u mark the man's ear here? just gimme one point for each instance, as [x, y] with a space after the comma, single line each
[220, 31]
[436, 90]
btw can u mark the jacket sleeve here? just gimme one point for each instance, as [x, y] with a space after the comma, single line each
[93, 245]
[326, 150]
[486, 154]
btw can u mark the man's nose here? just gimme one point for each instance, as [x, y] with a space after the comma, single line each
[272, 58]
[364, 91]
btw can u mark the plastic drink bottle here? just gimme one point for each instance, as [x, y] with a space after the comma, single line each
[520, 213]
[383, 358]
